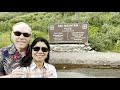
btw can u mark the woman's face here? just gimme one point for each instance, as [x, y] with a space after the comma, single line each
[40, 51]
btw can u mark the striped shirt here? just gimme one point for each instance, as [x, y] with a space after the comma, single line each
[47, 71]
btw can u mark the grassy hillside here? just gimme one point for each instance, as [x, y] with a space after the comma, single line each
[104, 27]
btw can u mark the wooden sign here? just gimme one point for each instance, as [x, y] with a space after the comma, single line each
[68, 33]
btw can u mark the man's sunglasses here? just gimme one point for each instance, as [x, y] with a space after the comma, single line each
[17, 33]
[44, 49]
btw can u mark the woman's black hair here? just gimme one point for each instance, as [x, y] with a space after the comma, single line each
[26, 60]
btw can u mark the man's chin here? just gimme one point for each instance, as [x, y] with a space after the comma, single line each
[21, 46]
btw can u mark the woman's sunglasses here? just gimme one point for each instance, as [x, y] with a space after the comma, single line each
[44, 49]
[17, 33]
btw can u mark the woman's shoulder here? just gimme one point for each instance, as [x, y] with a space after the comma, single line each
[50, 66]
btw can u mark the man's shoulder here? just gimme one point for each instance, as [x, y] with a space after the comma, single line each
[6, 48]
[4, 52]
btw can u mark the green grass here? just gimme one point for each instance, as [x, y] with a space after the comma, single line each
[4, 39]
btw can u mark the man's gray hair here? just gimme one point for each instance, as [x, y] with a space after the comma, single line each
[22, 23]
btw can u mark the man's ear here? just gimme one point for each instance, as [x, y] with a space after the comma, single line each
[11, 37]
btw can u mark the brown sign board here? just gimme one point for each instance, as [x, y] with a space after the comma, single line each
[68, 33]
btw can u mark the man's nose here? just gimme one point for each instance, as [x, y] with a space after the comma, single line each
[21, 36]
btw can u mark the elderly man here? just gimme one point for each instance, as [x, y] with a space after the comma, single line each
[11, 55]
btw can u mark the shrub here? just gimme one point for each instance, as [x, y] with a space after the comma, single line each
[4, 39]
[100, 42]
[38, 34]
[4, 26]
[95, 19]
[117, 47]
[115, 19]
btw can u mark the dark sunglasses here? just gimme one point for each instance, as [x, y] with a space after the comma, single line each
[44, 49]
[17, 33]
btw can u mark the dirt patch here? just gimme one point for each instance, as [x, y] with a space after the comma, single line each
[75, 66]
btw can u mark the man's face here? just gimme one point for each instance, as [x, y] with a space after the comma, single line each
[21, 36]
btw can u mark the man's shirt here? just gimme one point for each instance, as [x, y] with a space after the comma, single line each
[9, 59]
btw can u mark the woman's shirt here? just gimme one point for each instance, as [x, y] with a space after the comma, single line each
[47, 71]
